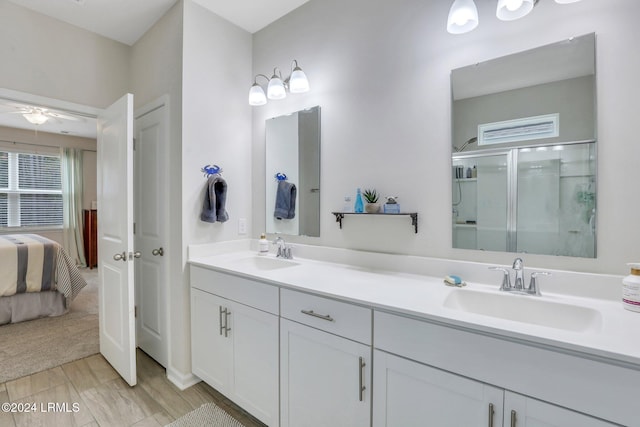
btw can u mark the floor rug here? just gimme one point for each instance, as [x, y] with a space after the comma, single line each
[41, 344]
[207, 415]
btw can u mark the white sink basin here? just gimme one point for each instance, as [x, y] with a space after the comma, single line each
[264, 263]
[526, 309]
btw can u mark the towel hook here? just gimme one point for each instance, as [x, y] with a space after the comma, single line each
[280, 176]
[209, 170]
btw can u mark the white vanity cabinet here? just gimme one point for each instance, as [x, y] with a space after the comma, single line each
[325, 362]
[234, 336]
[446, 381]
[408, 394]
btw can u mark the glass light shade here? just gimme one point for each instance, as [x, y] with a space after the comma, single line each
[36, 117]
[508, 10]
[298, 82]
[276, 90]
[463, 17]
[256, 95]
[567, 1]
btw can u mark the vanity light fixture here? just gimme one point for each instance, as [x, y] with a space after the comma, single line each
[297, 82]
[463, 15]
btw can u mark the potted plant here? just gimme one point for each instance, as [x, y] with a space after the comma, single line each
[371, 198]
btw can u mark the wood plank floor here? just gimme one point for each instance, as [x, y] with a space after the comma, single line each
[90, 393]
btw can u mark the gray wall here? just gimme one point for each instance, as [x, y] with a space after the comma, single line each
[380, 72]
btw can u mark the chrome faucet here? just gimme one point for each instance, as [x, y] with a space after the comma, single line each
[518, 267]
[284, 250]
[518, 286]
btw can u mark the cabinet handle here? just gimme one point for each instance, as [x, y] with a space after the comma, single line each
[326, 317]
[222, 311]
[491, 412]
[226, 322]
[362, 388]
[513, 418]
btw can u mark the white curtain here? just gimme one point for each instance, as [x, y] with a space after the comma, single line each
[72, 190]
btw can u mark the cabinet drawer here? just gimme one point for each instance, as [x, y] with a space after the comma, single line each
[254, 294]
[340, 318]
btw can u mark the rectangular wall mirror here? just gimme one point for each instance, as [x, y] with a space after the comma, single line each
[293, 150]
[524, 151]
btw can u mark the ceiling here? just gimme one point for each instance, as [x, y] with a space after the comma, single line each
[126, 21]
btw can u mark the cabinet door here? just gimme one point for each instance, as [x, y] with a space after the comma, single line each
[523, 411]
[211, 356]
[254, 336]
[325, 379]
[409, 394]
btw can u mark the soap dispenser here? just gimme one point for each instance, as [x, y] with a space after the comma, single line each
[631, 289]
[263, 245]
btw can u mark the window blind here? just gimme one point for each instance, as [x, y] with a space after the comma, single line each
[30, 190]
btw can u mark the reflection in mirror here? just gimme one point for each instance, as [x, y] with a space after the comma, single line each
[524, 151]
[293, 150]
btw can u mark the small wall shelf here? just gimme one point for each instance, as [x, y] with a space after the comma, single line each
[414, 216]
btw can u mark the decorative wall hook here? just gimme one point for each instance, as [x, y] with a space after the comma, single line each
[280, 176]
[209, 170]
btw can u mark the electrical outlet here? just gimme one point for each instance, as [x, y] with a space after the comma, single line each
[242, 226]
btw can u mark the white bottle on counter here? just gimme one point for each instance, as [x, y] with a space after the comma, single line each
[263, 245]
[631, 289]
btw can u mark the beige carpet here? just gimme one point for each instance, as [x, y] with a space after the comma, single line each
[206, 415]
[37, 345]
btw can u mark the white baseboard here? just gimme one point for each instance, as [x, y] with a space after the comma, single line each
[180, 380]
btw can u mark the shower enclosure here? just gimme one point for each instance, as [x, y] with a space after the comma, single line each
[537, 199]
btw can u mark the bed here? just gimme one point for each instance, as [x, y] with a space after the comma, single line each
[37, 278]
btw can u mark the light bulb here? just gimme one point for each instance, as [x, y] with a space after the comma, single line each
[298, 82]
[463, 17]
[513, 5]
[275, 89]
[508, 10]
[256, 95]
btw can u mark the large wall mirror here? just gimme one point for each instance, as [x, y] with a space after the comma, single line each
[524, 151]
[293, 173]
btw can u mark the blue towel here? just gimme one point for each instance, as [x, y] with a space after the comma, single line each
[215, 198]
[285, 200]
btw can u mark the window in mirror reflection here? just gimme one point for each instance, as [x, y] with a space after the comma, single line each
[537, 200]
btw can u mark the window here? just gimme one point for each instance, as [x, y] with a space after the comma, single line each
[30, 190]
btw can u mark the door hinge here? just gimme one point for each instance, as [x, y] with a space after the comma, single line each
[134, 228]
[134, 144]
[135, 311]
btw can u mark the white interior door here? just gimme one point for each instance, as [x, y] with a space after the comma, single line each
[151, 182]
[115, 237]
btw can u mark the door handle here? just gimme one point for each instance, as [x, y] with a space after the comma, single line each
[158, 252]
[491, 413]
[513, 418]
[135, 254]
[361, 387]
[120, 257]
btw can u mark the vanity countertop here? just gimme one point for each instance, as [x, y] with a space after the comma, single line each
[611, 338]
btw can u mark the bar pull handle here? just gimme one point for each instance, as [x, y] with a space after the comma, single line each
[513, 418]
[491, 413]
[226, 323]
[361, 385]
[222, 312]
[326, 317]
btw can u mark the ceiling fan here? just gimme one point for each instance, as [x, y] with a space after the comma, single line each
[39, 115]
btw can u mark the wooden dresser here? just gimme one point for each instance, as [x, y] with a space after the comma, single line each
[91, 237]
